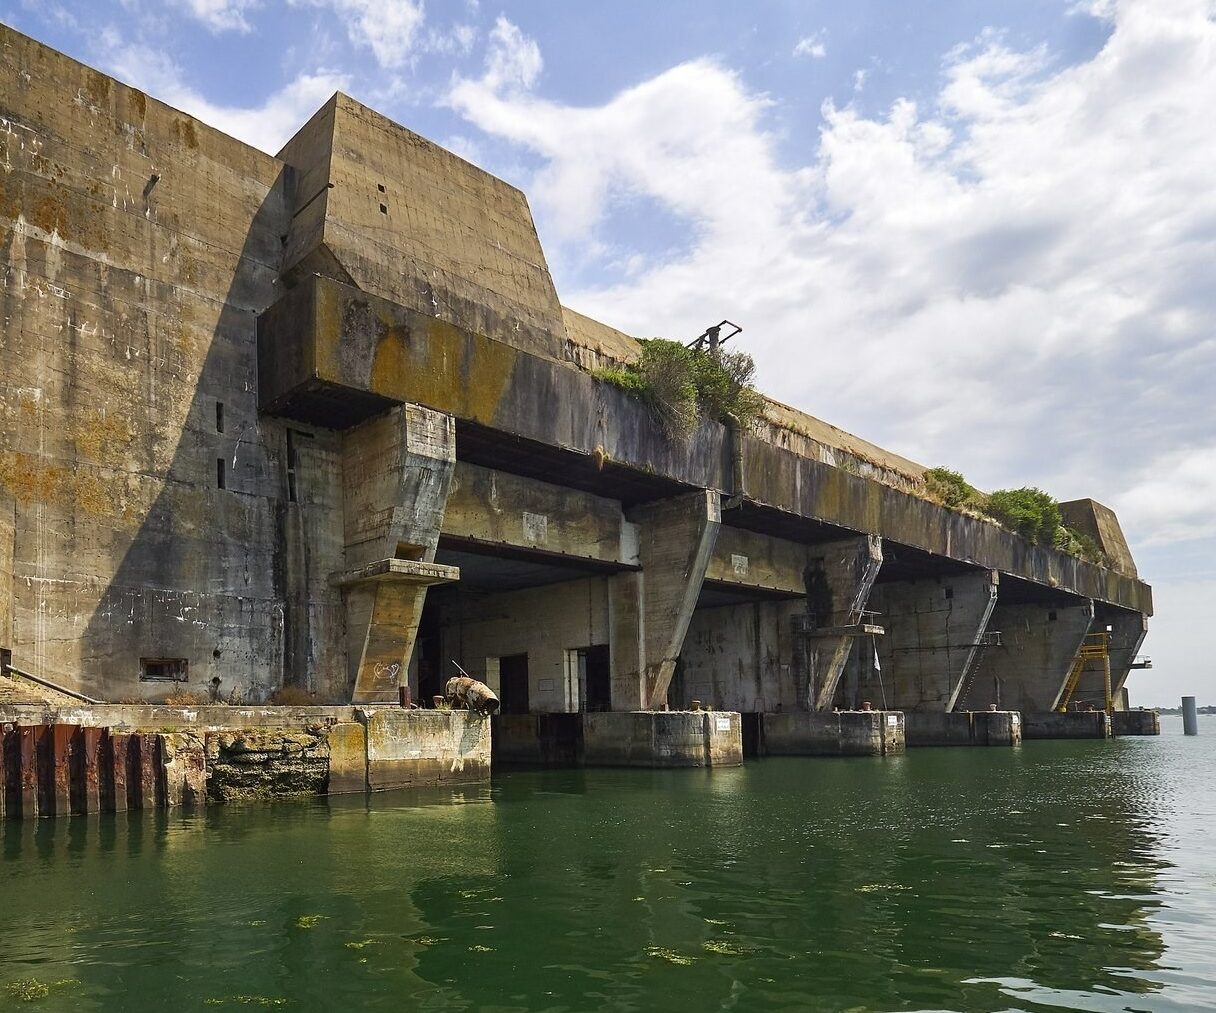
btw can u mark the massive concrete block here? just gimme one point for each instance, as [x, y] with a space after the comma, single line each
[396, 470]
[379, 207]
[963, 728]
[675, 542]
[1029, 667]
[834, 733]
[934, 629]
[838, 583]
[347, 757]
[1099, 522]
[495, 509]
[662, 739]
[408, 748]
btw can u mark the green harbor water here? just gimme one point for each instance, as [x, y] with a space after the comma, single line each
[1055, 876]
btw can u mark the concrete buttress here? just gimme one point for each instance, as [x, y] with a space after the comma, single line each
[676, 540]
[396, 470]
[1027, 670]
[1127, 631]
[838, 583]
[934, 631]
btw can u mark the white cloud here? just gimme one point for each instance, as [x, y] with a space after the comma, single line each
[812, 46]
[389, 28]
[1173, 499]
[267, 125]
[1014, 278]
[513, 61]
[222, 15]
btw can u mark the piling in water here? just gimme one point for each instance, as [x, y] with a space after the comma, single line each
[1190, 719]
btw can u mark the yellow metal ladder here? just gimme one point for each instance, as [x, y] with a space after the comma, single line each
[1095, 647]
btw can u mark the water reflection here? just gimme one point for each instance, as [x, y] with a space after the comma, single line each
[1058, 875]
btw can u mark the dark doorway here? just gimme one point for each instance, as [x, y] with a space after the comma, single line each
[513, 683]
[428, 649]
[596, 670]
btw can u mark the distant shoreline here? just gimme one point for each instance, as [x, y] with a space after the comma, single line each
[1209, 709]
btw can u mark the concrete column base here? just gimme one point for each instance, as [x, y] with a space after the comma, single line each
[828, 733]
[663, 739]
[1073, 725]
[963, 728]
[1137, 722]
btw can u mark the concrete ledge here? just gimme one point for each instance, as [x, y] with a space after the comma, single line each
[1073, 725]
[663, 739]
[1137, 722]
[963, 728]
[213, 717]
[838, 733]
[418, 747]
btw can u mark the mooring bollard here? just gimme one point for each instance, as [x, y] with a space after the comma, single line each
[1190, 718]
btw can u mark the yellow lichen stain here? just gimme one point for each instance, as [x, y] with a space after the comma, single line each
[189, 133]
[31, 480]
[98, 86]
[139, 103]
[103, 437]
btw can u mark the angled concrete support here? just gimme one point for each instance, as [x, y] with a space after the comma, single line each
[1027, 665]
[396, 471]
[935, 629]
[650, 611]
[838, 583]
[1128, 630]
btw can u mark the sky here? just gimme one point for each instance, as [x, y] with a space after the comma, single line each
[980, 233]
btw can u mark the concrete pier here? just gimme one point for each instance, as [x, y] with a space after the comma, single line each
[963, 728]
[1072, 725]
[1190, 716]
[839, 733]
[1142, 721]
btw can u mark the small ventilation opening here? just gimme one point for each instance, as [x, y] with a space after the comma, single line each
[380, 187]
[1051, 617]
[164, 670]
[949, 592]
[221, 474]
[384, 209]
[219, 416]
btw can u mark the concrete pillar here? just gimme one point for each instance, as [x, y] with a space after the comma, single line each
[396, 471]
[1127, 632]
[649, 612]
[1027, 670]
[934, 628]
[838, 583]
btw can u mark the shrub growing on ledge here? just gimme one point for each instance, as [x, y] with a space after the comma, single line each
[678, 384]
[952, 490]
[1030, 512]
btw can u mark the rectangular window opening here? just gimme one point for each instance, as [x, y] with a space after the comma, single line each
[949, 592]
[221, 473]
[164, 670]
[219, 416]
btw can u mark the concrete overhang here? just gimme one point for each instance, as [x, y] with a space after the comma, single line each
[326, 344]
[402, 571]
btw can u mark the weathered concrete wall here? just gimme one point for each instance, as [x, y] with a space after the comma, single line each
[748, 559]
[1126, 632]
[542, 622]
[934, 627]
[1028, 670]
[135, 717]
[833, 733]
[137, 245]
[410, 748]
[538, 740]
[7, 534]
[662, 739]
[1099, 522]
[740, 658]
[1136, 722]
